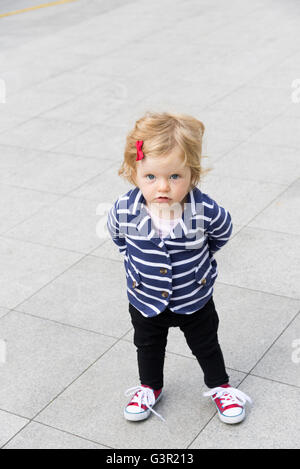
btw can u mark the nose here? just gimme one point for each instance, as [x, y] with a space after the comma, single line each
[163, 185]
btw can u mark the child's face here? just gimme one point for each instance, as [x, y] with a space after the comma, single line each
[163, 177]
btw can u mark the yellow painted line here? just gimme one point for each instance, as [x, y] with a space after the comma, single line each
[44, 5]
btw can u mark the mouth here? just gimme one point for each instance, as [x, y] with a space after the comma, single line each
[163, 199]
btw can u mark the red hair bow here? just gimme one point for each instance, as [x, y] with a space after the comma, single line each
[140, 154]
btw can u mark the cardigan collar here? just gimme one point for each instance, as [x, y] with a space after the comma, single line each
[136, 204]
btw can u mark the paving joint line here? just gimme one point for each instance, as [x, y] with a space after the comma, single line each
[64, 389]
[273, 343]
[73, 326]
[77, 377]
[249, 373]
[287, 187]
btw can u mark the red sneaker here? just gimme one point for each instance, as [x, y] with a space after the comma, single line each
[140, 406]
[229, 402]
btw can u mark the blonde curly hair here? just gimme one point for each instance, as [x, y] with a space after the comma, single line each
[161, 133]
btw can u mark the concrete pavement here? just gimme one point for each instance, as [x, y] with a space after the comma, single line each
[74, 77]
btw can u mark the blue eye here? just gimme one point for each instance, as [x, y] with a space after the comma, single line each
[151, 177]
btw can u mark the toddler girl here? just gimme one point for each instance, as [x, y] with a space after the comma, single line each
[168, 232]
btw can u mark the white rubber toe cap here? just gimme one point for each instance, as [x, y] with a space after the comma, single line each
[232, 415]
[134, 413]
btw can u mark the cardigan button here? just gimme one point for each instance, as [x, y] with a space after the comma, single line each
[164, 294]
[134, 284]
[203, 281]
[163, 270]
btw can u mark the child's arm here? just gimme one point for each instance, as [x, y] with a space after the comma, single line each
[113, 229]
[219, 228]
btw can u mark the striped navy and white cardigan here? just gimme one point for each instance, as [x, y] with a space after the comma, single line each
[178, 271]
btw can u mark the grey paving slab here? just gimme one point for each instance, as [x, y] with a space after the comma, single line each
[230, 59]
[197, 26]
[215, 149]
[123, 67]
[43, 358]
[100, 141]
[239, 67]
[105, 27]
[281, 215]
[18, 4]
[281, 75]
[85, 296]
[100, 398]
[180, 94]
[293, 109]
[55, 172]
[126, 113]
[136, 22]
[9, 425]
[46, 21]
[253, 29]
[281, 362]
[245, 197]
[268, 421]
[236, 124]
[3, 311]
[257, 259]
[9, 120]
[124, 62]
[22, 66]
[70, 83]
[67, 224]
[29, 103]
[107, 250]
[258, 317]
[41, 134]
[105, 188]
[96, 106]
[282, 131]
[12, 158]
[250, 97]
[37, 436]
[18, 77]
[115, 63]
[23, 203]
[27, 267]
[260, 162]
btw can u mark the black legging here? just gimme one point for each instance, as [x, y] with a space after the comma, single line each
[200, 330]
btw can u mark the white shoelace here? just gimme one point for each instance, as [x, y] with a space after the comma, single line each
[144, 396]
[228, 396]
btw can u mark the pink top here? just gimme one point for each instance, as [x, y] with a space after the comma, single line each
[163, 225]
